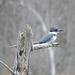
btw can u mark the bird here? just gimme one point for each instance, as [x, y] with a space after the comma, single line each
[50, 37]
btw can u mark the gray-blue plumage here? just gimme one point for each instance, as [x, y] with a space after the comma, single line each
[47, 38]
[50, 37]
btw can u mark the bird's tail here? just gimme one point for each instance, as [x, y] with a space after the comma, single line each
[35, 43]
[38, 42]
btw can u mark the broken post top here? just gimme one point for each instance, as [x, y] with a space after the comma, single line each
[25, 39]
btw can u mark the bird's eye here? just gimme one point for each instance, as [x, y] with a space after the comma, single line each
[56, 29]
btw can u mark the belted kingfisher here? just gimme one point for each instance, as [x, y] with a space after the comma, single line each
[50, 37]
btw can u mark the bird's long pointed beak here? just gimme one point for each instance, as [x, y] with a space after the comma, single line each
[60, 30]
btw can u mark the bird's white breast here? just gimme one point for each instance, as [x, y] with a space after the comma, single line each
[54, 37]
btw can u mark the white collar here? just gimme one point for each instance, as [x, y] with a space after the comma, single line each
[52, 33]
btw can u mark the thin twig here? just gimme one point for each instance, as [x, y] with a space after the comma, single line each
[13, 46]
[7, 67]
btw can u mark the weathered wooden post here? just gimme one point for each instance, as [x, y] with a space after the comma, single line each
[24, 46]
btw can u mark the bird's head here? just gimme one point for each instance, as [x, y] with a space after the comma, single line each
[53, 29]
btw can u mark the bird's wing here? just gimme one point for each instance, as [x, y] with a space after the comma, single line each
[46, 38]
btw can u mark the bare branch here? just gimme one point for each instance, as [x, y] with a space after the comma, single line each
[39, 18]
[41, 46]
[44, 45]
[7, 67]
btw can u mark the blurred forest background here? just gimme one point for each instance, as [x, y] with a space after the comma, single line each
[41, 15]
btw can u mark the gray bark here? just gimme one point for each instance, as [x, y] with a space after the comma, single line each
[24, 46]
